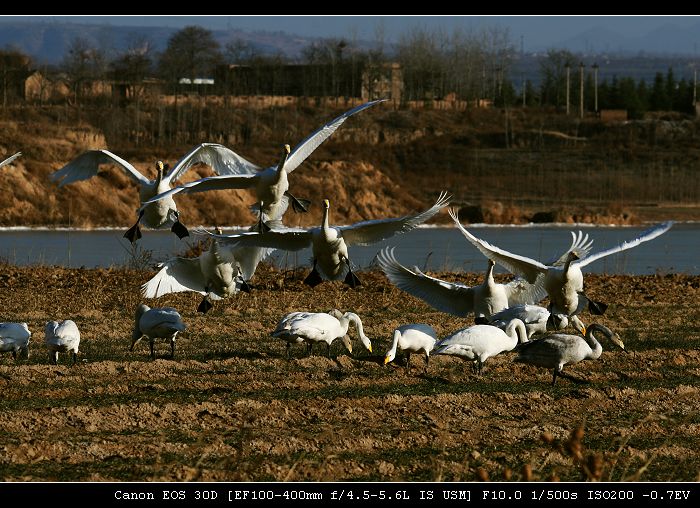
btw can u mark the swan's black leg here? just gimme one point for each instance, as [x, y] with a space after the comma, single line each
[314, 278]
[134, 232]
[298, 205]
[179, 228]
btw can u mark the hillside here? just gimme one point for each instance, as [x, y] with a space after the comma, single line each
[502, 167]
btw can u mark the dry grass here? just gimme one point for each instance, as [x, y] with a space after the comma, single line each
[231, 407]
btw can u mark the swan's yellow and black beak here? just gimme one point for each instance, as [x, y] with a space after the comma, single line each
[386, 360]
[326, 203]
[160, 166]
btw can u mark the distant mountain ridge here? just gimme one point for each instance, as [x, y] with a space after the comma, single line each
[48, 42]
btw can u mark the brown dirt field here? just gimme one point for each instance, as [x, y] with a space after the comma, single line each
[231, 407]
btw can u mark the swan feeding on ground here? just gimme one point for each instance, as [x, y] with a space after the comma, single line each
[156, 323]
[61, 337]
[271, 184]
[412, 338]
[160, 215]
[478, 343]
[284, 325]
[559, 349]
[563, 283]
[14, 337]
[331, 260]
[323, 327]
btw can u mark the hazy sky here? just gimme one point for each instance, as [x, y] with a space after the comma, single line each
[536, 31]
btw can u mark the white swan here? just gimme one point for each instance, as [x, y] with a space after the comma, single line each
[15, 337]
[478, 343]
[159, 215]
[322, 327]
[535, 318]
[214, 274]
[330, 244]
[564, 284]
[158, 323]
[271, 185]
[412, 338]
[61, 337]
[282, 330]
[458, 299]
[10, 159]
[559, 349]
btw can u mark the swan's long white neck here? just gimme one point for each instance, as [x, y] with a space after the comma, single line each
[352, 317]
[516, 331]
[394, 344]
[590, 339]
[324, 222]
[140, 311]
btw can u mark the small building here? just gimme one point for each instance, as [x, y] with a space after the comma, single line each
[613, 115]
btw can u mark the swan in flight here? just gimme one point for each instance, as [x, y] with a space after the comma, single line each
[563, 283]
[455, 298]
[478, 343]
[158, 323]
[15, 337]
[214, 274]
[282, 330]
[271, 185]
[61, 337]
[162, 214]
[559, 349]
[460, 300]
[322, 327]
[10, 159]
[535, 318]
[330, 244]
[412, 338]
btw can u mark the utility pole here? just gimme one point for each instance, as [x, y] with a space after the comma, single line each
[568, 81]
[580, 109]
[595, 86]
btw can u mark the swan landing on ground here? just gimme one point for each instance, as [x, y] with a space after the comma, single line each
[161, 215]
[329, 245]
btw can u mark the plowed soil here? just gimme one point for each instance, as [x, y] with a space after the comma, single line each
[230, 406]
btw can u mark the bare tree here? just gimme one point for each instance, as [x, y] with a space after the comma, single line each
[191, 53]
[84, 64]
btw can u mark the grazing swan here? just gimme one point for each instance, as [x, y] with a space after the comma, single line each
[271, 185]
[10, 159]
[330, 244]
[163, 323]
[412, 338]
[61, 337]
[282, 330]
[322, 327]
[15, 337]
[214, 274]
[556, 350]
[535, 318]
[478, 343]
[159, 215]
[564, 284]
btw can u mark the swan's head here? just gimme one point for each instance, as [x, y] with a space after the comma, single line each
[160, 166]
[326, 204]
[390, 355]
[287, 150]
[607, 333]
[573, 256]
[335, 313]
[492, 263]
